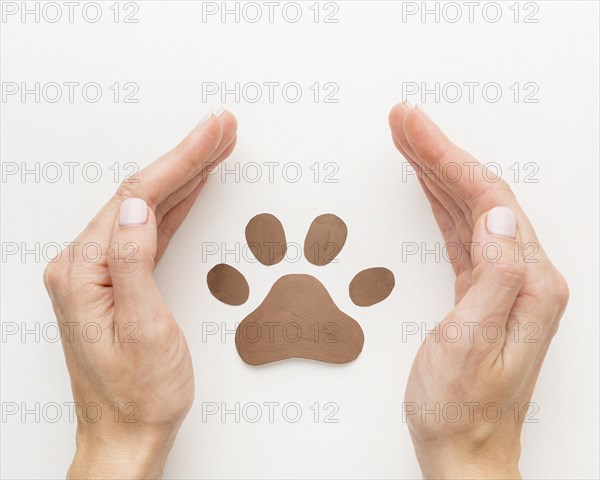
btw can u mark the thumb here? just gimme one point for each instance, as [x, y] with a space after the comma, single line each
[132, 256]
[498, 267]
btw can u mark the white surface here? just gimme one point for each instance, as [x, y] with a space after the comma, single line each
[369, 53]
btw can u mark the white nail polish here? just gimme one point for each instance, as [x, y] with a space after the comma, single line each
[219, 111]
[134, 211]
[502, 221]
[204, 118]
[421, 109]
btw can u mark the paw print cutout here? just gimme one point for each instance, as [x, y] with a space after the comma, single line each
[298, 318]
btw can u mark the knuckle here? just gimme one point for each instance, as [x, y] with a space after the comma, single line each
[163, 327]
[126, 189]
[561, 290]
[50, 279]
[552, 289]
[550, 296]
[132, 188]
[56, 275]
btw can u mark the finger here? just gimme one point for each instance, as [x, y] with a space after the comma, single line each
[174, 169]
[464, 175]
[173, 220]
[498, 272]
[175, 217]
[458, 170]
[224, 155]
[131, 262]
[177, 197]
[227, 146]
[460, 259]
[463, 229]
[180, 211]
[164, 176]
[432, 186]
[396, 121]
[457, 253]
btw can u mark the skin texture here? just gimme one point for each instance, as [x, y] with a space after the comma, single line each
[154, 373]
[141, 361]
[512, 296]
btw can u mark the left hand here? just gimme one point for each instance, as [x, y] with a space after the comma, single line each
[130, 367]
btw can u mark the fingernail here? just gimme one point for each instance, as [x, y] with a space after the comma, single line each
[219, 111]
[502, 221]
[421, 109]
[134, 211]
[409, 104]
[204, 118]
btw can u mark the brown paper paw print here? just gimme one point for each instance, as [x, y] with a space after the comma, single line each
[298, 318]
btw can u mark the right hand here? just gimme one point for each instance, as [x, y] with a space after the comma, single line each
[509, 299]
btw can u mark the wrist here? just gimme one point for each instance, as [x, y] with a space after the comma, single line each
[448, 469]
[115, 455]
[463, 462]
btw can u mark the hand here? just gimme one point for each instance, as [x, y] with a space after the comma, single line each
[129, 363]
[473, 378]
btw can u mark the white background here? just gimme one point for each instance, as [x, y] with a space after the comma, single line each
[369, 53]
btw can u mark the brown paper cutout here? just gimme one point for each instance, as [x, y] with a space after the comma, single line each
[325, 239]
[266, 239]
[228, 284]
[298, 319]
[371, 286]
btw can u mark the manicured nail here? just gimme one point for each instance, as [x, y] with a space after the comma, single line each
[134, 211]
[502, 221]
[219, 111]
[409, 104]
[421, 109]
[204, 118]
